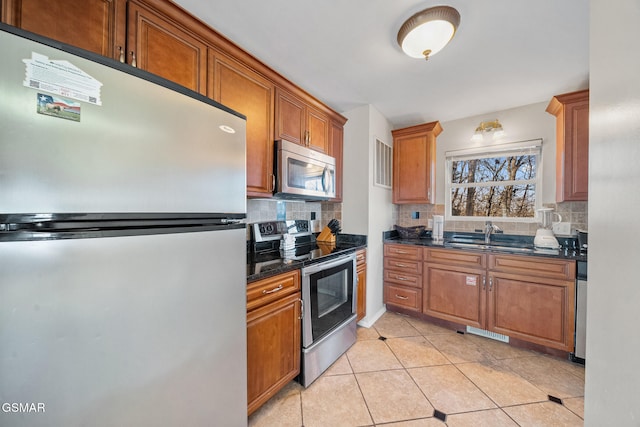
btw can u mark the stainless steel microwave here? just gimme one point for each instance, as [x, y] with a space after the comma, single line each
[302, 173]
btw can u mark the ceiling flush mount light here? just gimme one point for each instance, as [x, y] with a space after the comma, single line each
[427, 32]
[488, 127]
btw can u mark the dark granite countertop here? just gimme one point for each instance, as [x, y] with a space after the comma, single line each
[567, 251]
[263, 265]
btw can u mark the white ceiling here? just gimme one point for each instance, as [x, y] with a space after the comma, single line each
[506, 53]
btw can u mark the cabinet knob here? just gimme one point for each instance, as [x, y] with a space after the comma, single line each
[490, 283]
[133, 59]
[121, 57]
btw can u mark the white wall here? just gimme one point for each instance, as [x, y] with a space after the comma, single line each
[366, 209]
[355, 172]
[520, 124]
[612, 394]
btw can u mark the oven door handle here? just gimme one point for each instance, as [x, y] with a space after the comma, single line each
[306, 271]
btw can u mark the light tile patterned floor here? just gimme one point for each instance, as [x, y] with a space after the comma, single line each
[421, 368]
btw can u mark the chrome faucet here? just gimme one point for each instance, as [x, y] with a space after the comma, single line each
[489, 228]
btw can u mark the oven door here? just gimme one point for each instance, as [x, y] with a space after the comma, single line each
[328, 290]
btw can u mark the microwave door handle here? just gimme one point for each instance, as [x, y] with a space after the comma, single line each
[325, 180]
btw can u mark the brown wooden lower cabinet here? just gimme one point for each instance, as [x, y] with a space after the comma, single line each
[403, 276]
[361, 272]
[533, 309]
[403, 296]
[529, 298]
[456, 294]
[273, 336]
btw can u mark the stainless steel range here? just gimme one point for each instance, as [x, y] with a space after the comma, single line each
[329, 321]
[329, 287]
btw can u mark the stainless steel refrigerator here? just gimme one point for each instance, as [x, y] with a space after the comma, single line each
[122, 247]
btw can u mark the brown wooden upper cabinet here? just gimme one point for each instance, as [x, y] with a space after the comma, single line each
[298, 121]
[242, 89]
[572, 145]
[160, 37]
[414, 156]
[94, 25]
[336, 150]
[127, 31]
[157, 45]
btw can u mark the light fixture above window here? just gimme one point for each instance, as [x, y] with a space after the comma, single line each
[427, 32]
[493, 127]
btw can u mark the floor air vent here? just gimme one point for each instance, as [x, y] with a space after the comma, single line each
[487, 334]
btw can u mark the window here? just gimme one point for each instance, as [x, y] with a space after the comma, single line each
[498, 182]
[383, 165]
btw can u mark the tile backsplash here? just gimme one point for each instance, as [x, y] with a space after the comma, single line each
[259, 210]
[573, 212]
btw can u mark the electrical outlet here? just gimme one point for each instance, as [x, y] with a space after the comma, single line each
[562, 228]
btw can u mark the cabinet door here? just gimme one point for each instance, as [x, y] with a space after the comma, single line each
[533, 309]
[572, 145]
[336, 138]
[575, 153]
[317, 130]
[414, 152]
[361, 271]
[94, 25]
[290, 118]
[165, 49]
[456, 294]
[273, 349]
[240, 88]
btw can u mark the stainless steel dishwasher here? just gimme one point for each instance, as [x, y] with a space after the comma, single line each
[581, 313]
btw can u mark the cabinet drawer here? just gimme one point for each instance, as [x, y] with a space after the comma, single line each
[361, 257]
[267, 290]
[410, 298]
[455, 257]
[402, 266]
[404, 279]
[405, 252]
[534, 266]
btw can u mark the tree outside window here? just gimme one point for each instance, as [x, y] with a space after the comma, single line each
[502, 183]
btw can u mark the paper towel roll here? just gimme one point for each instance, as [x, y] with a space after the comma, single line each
[438, 227]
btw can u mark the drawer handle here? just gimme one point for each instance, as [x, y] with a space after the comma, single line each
[401, 265]
[265, 292]
[402, 278]
[399, 251]
[401, 297]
